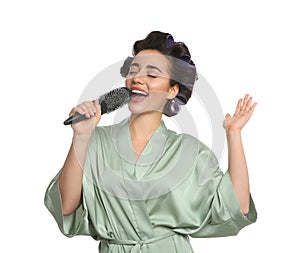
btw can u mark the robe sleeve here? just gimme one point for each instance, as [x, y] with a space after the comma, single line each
[76, 223]
[220, 213]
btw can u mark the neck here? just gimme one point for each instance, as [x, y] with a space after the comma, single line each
[145, 124]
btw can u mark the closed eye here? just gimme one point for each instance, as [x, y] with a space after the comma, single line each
[132, 72]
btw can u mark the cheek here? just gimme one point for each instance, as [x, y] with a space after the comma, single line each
[128, 83]
[163, 86]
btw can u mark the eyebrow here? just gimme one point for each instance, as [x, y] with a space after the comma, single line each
[148, 66]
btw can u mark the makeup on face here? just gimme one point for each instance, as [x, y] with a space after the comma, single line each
[149, 81]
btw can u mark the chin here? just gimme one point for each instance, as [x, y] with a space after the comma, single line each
[140, 108]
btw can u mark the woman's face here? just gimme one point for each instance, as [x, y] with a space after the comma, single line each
[149, 81]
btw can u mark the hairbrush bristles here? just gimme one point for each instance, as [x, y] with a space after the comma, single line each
[114, 99]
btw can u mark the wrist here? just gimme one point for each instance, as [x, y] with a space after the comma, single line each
[233, 133]
[83, 137]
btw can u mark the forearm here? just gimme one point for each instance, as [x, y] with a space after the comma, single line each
[238, 169]
[70, 178]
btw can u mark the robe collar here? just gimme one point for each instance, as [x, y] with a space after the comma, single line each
[153, 150]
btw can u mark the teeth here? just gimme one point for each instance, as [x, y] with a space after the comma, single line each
[139, 92]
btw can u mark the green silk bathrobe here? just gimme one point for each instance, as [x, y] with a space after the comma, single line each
[174, 190]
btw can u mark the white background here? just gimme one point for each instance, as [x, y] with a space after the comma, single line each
[50, 50]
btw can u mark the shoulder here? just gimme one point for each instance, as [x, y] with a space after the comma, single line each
[99, 133]
[100, 130]
[203, 151]
[188, 140]
[192, 144]
[107, 130]
[205, 162]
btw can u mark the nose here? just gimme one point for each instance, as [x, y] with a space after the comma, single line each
[139, 78]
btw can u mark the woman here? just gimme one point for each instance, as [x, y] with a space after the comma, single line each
[139, 187]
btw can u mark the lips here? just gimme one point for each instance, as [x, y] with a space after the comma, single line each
[138, 92]
[138, 95]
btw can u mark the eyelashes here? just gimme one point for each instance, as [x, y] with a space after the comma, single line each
[151, 75]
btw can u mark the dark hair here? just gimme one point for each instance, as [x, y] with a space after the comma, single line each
[183, 70]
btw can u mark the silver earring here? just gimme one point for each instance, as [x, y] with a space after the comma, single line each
[171, 108]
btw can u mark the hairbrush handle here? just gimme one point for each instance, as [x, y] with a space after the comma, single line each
[74, 119]
[77, 117]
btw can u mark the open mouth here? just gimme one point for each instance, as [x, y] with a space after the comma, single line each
[139, 93]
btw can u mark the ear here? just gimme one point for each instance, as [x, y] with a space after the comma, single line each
[173, 91]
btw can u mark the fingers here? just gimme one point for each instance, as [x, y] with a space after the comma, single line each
[87, 108]
[98, 110]
[246, 104]
[238, 107]
[227, 116]
[253, 107]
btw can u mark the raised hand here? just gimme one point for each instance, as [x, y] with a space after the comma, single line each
[243, 112]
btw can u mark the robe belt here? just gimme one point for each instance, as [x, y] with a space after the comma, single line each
[138, 244]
